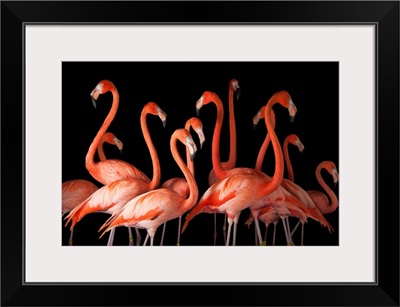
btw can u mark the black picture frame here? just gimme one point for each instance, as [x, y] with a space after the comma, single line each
[383, 14]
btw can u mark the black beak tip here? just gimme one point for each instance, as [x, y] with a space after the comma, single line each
[120, 151]
[254, 126]
[335, 184]
[238, 93]
[164, 123]
[192, 156]
[197, 111]
[291, 119]
[93, 101]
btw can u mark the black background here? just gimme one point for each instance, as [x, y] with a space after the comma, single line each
[175, 87]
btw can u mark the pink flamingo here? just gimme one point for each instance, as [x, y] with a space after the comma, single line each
[231, 163]
[295, 189]
[77, 190]
[109, 170]
[152, 209]
[245, 187]
[179, 184]
[324, 204]
[112, 197]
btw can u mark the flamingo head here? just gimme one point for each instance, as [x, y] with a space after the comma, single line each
[153, 108]
[206, 98]
[185, 137]
[118, 143]
[104, 86]
[197, 126]
[261, 114]
[110, 138]
[294, 140]
[331, 168]
[284, 98]
[234, 85]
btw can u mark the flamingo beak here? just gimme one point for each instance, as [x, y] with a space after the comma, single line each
[163, 117]
[93, 101]
[119, 144]
[300, 146]
[256, 119]
[335, 175]
[192, 148]
[199, 105]
[292, 110]
[237, 92]
[201, 137]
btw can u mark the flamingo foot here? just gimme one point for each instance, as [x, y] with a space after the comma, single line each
[263, 243]
[70, 242]
[130, 241]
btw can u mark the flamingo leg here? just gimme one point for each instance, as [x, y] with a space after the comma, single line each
[255, 235]
[265, 236]
[130, 236]
[145, 240]
[138, 237]
[163, 232]
[294, 229]
[151, 240]
[235, 221]
[288, 230]
[111, 237]
[286, 233]
[229, 232]
[257, 225]
[273, 238]
[179, 231]
[302, 234]
[70, 237]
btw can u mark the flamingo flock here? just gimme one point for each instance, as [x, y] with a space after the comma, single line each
[133, 200]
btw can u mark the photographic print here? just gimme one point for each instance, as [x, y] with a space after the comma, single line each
[118, 119]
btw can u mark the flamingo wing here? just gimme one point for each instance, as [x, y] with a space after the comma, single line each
[144, 209]
[74, 192]
[114, 169]
[109, 198]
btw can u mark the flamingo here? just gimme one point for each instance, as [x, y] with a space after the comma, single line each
[245, 187]
[109, 170]
[321, 201]
[77, 190]
[292, 187]
[179, 184]
[152, 209]
[324, 205]
[231, 163]
[113, 196]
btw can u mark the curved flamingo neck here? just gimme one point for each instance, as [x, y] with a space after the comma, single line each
[232, 132]
[89, 161]
[261, 153]
[265, 144]
[216, 161]
[287, 160]
[193, 189]
[333, 204]
[279, 165]
[155, 181]
[189, 162]
[100, 150]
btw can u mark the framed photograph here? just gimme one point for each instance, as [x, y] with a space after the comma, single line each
[337, 61]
